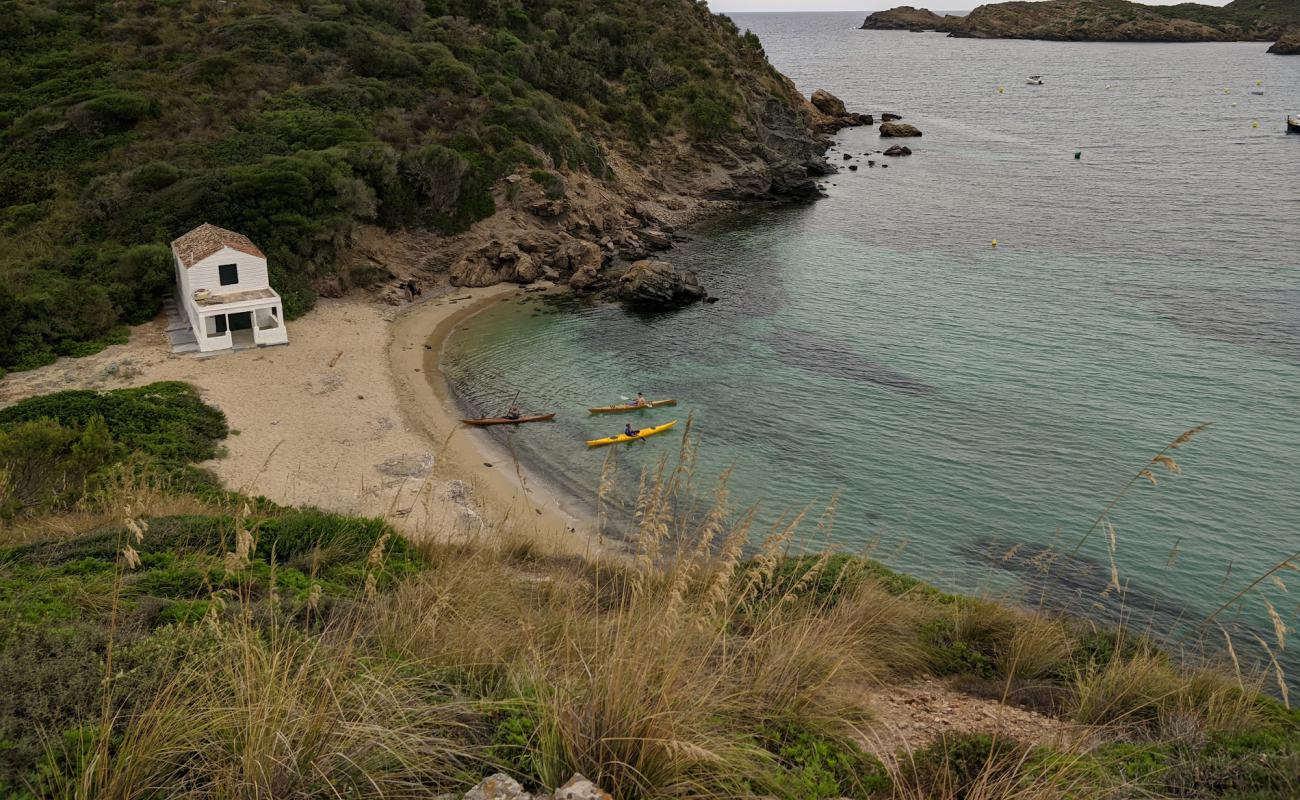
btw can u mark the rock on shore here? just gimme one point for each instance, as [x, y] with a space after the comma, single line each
[898, 129]
[658, 285]
[830, 115]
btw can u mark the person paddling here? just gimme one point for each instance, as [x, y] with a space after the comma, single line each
[514, 412]
[628, 430]
[640, 401]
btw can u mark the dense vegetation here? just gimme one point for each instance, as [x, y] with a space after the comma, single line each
[56, 448]
[156, 643]
[125, 124]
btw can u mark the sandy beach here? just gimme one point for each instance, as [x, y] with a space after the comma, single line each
[351, 416]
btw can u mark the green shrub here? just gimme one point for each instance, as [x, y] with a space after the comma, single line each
[164, 420]
[707, 119]
[44, 465]
[969, 765]
[814, 766]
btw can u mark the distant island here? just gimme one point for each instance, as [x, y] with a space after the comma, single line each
[1110, 21]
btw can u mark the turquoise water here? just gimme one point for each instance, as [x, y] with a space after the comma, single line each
[958, 399]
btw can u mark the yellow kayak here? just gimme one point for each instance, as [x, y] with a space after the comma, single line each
[622, 437]
[631, 407]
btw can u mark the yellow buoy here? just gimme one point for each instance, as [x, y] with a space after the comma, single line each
[1001, 90]
[1259, 83]
[1226, 90]
[1254, 123]
[993, 243]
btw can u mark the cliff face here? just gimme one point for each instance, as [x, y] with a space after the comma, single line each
[1104, 20]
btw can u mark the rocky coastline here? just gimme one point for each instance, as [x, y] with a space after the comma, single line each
[1104, 21]
[587, 233]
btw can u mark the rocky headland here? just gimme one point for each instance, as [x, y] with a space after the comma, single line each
[1288, 44]
[580, 230]
[1104, 21]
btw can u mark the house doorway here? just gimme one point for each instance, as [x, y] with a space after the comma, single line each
[241, 330]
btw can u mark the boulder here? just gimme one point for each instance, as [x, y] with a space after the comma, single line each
[656, 239]
[498, 787]
[584, 279]
[830, 115]
[899, 150]
[887, 117]
[657, 285]
[898, 129]
[579, 788]
[471, 271]
[828, 103]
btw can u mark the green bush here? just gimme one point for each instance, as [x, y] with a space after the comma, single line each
[164, 420]
[814, 766]
[44, 465]
[957, 767]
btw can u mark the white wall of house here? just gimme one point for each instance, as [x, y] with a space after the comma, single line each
[266, 316]
[252, 272]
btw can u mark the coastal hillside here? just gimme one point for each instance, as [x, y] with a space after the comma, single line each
[353, 141]
[1103, 20]
[165, 637]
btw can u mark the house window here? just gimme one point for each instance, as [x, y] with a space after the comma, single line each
[220, 319]
[229, 274]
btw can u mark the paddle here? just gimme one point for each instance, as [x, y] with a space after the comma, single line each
[512, 402]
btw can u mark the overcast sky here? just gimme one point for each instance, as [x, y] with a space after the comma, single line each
[873, 5]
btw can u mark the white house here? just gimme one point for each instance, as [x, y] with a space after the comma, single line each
[224, 290]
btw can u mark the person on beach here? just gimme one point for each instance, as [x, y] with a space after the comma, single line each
[628, 430]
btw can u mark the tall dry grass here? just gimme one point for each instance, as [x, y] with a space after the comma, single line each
[656, 675]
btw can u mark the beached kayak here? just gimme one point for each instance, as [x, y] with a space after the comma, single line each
[630, 407]
[622, 437]
[508, 421]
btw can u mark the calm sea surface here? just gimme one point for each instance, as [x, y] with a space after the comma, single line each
[960, 399]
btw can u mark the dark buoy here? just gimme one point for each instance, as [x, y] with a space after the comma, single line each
[1078, 154]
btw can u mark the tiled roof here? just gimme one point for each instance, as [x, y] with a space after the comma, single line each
[207, 239]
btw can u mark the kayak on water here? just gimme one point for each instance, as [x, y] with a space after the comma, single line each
[631, 407]
[623, 437]
[508, 421]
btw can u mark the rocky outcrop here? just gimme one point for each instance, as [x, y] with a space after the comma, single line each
[898, 129]
[1288, 44]
[898, 150]
[658, 285]
[907, 18]
[525, 258]
[830, 115]
[1103, 21]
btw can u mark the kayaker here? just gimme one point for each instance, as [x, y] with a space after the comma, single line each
[628, 430]
[640, 400]
[513, 412]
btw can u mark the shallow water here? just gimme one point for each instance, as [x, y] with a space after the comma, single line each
[956, 398]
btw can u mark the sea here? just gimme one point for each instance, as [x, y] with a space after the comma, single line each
[966, 411]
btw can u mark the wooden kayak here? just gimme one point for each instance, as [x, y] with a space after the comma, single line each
[622, 437]
[630, 407]
[507, 421]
